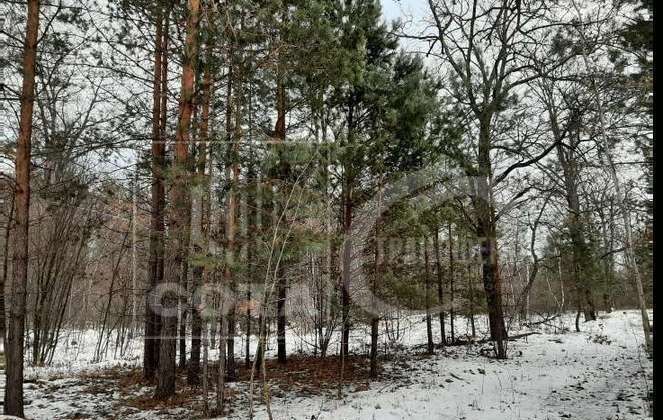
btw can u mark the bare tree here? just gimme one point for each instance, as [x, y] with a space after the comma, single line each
[604, 144]
[565, 115]
[492, 48]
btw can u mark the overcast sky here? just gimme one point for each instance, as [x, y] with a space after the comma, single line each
[393, 9]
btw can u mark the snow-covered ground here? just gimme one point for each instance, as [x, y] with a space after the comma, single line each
[599, 373]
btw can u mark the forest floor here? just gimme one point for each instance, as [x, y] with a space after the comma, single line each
[600, 373]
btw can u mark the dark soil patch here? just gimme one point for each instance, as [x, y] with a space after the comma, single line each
[311, 375]
[300, 375]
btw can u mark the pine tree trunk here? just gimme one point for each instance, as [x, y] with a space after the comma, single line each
[452, 291]
[221, 378]
[377, 281]
[283, 175]
[183, 310]
[470, 287]
[201, 240]
[5, 270]
[267, 204]
[440, 284]
[231, 368]
[15, 338]
[212, 332]
[247, 348]
[281, 316]
[180, 212]
[193, 368]
[231, 214]
[347, 209]
[608, 233]
[429, 329]
[162, 152]
[251, 226]
[373, 372]
[486, 232]
[347, 268]
[205, 368]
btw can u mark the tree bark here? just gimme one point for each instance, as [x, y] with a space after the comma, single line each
[346, 276]
[580, 253]
[221, 378]
[282, 175]
[486, 232]
[232, 170]
[440, 284]
[180, 211]
[267, 209]
[608, 237]
[429, 328]
[470, 287]
[15, 338]
[5, 270]
[377, 281]
[452, 273]
[155, 274]
[252, 226]
[201, 240]
[193, 368]
[205, 369]
[347, 210]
